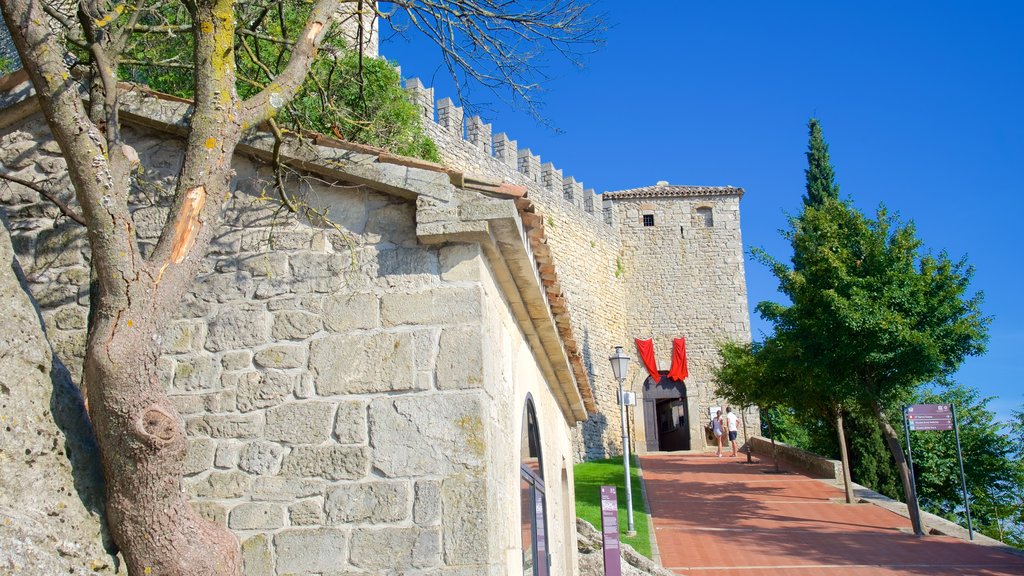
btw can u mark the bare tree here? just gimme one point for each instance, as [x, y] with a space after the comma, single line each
[74, 58]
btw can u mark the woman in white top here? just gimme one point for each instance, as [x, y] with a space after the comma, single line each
[716, 429]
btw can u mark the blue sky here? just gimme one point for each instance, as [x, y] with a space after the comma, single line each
[920, 102]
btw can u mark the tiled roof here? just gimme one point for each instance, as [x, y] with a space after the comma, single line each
[673, 191]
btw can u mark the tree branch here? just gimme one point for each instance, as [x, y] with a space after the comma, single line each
[282, 89]
[64, 208]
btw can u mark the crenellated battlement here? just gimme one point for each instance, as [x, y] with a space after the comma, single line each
[469, 144]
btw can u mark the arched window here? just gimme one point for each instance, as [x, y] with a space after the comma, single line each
[531, 493]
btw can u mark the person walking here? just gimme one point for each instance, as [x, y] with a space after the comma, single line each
[716, 429]
[732, 423]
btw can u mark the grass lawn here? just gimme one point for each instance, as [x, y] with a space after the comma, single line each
[590, 476]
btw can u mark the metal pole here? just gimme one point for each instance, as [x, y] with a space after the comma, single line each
[913, 481]
[625, 461]
[963, 478]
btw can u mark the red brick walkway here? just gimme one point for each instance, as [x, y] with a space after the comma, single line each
[721, 517]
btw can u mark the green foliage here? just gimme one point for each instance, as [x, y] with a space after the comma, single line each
[360, 100]
[872, 313]
[620, 269]
[6, 65]
[819, 173]
[590, 476]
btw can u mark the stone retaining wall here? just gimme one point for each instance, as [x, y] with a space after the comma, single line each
[806, 461]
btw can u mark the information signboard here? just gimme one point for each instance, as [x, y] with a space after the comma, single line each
[610, 531]
[929, 417]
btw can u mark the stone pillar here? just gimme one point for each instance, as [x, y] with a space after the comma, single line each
[421, 96]
[450, 116]
[551, 177]
[348, 19]
[528, 164]
[479, 134]
[505, 150]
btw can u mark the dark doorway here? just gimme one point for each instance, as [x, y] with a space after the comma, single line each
[666, 418]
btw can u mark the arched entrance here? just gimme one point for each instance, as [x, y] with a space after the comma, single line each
[666, 416]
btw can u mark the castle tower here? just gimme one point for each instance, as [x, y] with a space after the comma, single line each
[682, 260]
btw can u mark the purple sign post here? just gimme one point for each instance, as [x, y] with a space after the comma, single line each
[610, 531]
[942, 418]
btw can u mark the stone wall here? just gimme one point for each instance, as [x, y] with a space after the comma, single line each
[802, 460]
[585, 248]
[686, 279]
[343, 416]
[621, 279]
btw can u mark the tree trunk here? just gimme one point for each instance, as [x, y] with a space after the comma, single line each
[893, 442]
[775, 450]
[143, 447]
[844, 457]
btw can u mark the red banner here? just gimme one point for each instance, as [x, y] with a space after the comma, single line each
[679, 370]
[646, 350]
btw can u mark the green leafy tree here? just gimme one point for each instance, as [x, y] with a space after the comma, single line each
[874, 311]
[819, 174]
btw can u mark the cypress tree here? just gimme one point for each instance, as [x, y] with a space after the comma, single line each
[820, 175]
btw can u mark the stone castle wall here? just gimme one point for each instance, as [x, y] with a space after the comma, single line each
[686, 277]
[341, 413]
[585, 248]
[621, 280]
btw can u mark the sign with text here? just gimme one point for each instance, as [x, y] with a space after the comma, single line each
[610, 531]
[929, 417]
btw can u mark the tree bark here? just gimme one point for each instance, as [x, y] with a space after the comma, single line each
[844, 457]
[893, 442]
[141, 436]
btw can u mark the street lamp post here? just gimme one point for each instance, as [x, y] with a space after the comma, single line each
[620, 362]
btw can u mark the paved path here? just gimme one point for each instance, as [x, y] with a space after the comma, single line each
[722, 517]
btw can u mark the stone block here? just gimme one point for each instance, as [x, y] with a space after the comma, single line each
[196, 373]
[276, 240]
[71, 318]
[295, 325]
[394, 223]
[149, 221]
[460, 263]
[331, 462]
[285, 489]
[282, 356]
[184, 336]
[59, 247]
[233, 328]
[409, 266]
[260, 458]
[396, 548]
[263, 389]
[212, 511]
[200, 455]
[300, 423]
[311, 551]
[218, 484]
[350, 422]
[309, 512]
[465, 521]
[363, 363]
[230, 426]
[227, 455]
[265, 265]
[426, 505]
[236, 360]
[256, 516]
[442, 306]
[257, 559]
[347, 312]
[368, 502]
[460, 361]
[427, 434]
